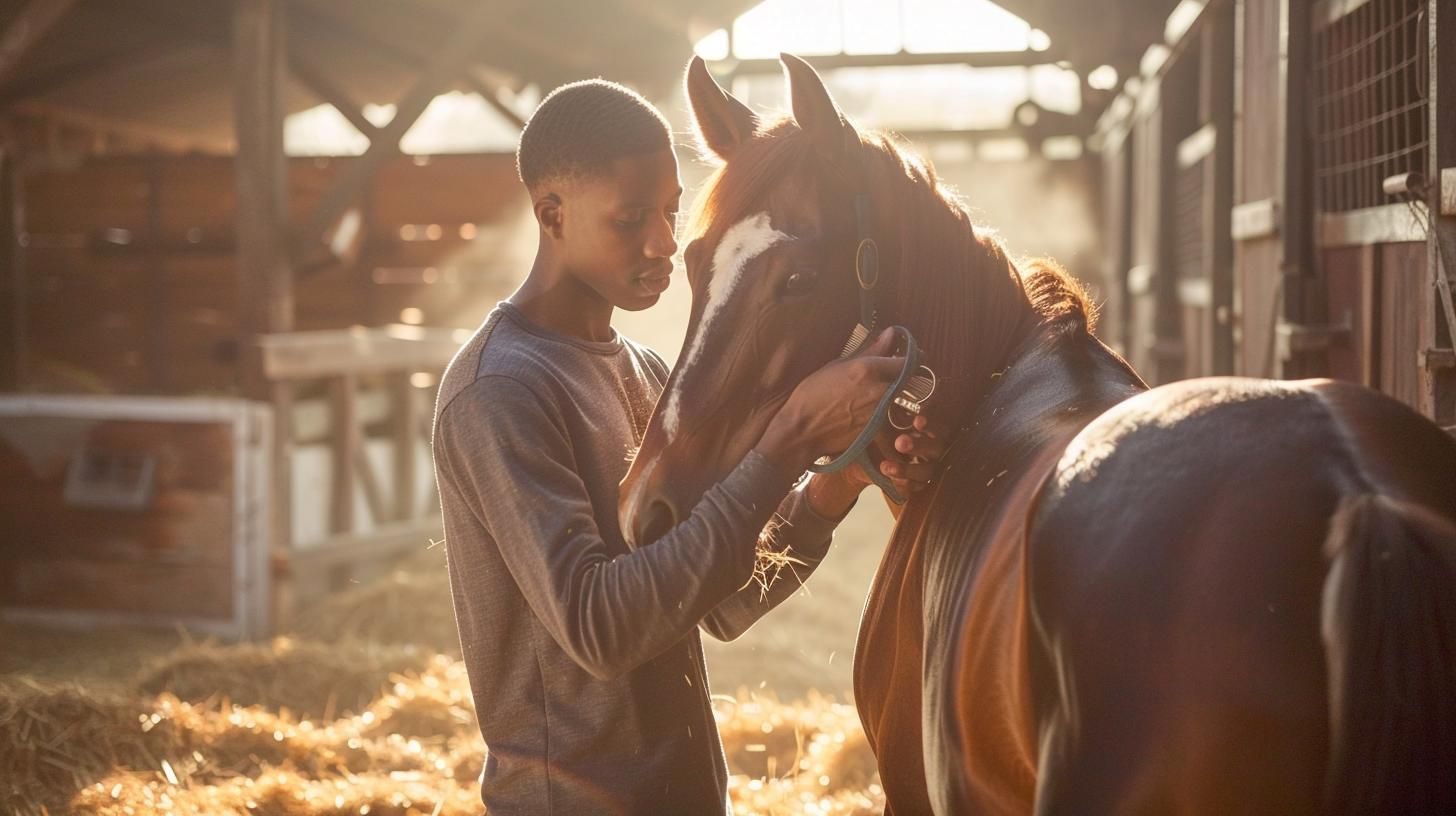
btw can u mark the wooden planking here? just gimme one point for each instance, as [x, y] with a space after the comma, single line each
[187, 523]
[1402, 279]
[1117, 240]
[87, 302]
[449, 190]
[1261, 148]
[1259, 257]
[1261, 303]
[172, 590]
[93, 197]
[1349, 274]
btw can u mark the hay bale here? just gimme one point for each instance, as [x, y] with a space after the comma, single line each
[311, 680]
[410, 605]
[55, 740]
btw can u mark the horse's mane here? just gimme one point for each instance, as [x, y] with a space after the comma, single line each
[952, 285]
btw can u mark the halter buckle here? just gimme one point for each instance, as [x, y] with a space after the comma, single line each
[867, 263]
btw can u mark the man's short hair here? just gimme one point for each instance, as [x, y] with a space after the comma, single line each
[581, 128]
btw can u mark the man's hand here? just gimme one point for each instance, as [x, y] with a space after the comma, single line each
[828, 410]
[910, 459]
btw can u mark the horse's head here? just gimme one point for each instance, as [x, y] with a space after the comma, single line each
[774, 292]
[775, 287]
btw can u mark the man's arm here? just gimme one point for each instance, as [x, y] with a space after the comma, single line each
[797, 540]
[507, 464]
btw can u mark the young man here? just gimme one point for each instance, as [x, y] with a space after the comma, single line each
[584, 657]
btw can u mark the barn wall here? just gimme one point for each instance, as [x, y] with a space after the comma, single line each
[131, 282]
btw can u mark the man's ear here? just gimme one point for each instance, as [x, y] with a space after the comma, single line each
[549, 214]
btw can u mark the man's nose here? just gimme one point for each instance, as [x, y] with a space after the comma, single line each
[662, 240]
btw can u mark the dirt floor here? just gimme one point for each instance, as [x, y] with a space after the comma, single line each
[365, 708]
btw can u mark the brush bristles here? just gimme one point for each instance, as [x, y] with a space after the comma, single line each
[856, 339]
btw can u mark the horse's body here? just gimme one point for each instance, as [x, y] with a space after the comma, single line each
[1216, 596]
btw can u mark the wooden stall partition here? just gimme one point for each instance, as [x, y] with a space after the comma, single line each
[1116, 149]
[1259, 213]
[1147, 214]
[1370, 117]
[135, 509]
[1438, 322]
[129, 264]
[359, 452]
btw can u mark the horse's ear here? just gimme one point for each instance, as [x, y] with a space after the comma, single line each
[723, 122]
[815, 111]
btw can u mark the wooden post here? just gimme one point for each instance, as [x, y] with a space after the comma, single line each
[1297, 225]
[344, 436]
[1217, 95]
[12, 282]
[404, 425]
[1438, 382]
[265, 284]
[157, 309]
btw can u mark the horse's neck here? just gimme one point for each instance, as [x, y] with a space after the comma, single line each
[1060, 376]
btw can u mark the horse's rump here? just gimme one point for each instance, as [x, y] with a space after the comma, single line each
[1177, 571]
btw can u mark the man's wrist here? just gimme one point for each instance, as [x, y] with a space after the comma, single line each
[782, 443]
[831, 495]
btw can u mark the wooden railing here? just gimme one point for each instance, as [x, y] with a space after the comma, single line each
[349, 368]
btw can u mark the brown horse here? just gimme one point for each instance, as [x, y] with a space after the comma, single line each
[1218, 596]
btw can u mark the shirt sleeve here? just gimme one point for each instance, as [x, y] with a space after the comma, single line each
[797, 539]
[509, 462]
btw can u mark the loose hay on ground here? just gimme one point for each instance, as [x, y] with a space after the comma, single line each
[306, 678]
[410, 605]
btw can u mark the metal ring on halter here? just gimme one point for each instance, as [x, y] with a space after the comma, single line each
[867, 263]
[910, 400]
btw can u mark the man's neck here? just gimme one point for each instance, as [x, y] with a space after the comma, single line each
[553, 299]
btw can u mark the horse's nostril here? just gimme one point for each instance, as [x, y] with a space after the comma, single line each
[654, 522]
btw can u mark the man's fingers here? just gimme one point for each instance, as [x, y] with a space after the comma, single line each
[881, 346]
[915, 472]
[919, 445]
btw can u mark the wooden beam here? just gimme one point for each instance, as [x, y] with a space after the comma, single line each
[988, 59]
[314, 354]
[449, 62]
[349, 31]
[25, 31]
[75, 71]
[317, 81]
[658, 16]
[160, 137]
[491, 95]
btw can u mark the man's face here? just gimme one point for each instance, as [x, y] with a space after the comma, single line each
[618, 229]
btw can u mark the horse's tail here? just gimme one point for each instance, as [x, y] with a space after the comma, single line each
[1389, 625]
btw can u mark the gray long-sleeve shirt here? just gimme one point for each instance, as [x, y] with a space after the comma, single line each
[584, 657]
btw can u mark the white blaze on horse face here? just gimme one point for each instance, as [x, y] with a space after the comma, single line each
[743, 242]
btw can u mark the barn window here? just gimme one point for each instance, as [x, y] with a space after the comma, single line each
[1370, 106]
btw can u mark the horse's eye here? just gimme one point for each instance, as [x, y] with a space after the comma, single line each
[800, 282]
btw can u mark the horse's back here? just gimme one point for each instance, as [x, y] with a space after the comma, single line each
[1175, 573]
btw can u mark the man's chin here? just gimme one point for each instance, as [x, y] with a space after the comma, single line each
[638, 302]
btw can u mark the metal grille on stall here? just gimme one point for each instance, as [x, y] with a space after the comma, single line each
[1370, 138]
[1370, 103]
